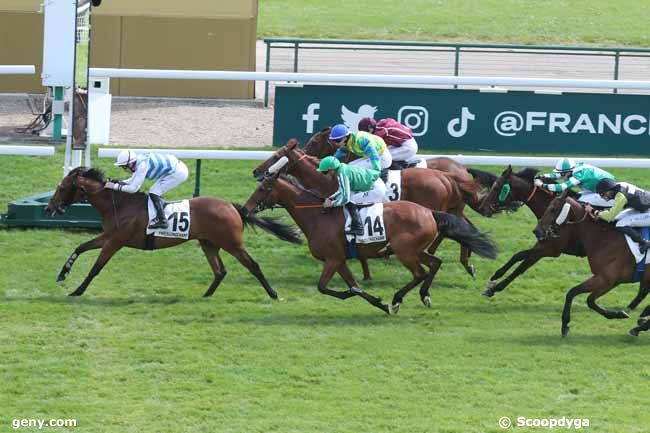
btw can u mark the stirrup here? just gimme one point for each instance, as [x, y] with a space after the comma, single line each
[357, 231]
[158, 223]
[644, 246]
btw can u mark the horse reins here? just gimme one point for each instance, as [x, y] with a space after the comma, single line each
[532, 193]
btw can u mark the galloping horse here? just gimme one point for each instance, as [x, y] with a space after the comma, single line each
[508, 192]
[320, 147]
[215, 223]
[410, 229]
[609, 257]
[430, 188]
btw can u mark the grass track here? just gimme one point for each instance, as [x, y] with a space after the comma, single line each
[575, 22]
[141, 351]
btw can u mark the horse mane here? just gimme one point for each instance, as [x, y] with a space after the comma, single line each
[298, 185]
[527, 173]
[95, 174]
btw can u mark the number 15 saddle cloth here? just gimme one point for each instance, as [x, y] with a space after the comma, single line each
[178, 219]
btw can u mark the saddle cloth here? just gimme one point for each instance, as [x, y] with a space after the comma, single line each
[178, 218]
[372, 218]
[641, 260]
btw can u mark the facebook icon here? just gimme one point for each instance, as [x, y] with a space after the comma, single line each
[310, 116]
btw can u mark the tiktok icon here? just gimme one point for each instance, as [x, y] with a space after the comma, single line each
[457, 127]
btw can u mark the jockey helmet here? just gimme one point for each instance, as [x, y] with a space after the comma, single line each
[565, 165]
[339, 131]
[329, 163]
[605, 184]
[366, 123]
[125, 157]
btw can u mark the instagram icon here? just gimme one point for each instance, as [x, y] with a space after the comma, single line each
[415, 117]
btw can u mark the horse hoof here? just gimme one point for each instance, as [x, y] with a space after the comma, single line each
[394, 309]
[76, 293]
[471, 270]
[565, 331]
[427, 301]
[60, 278]
[634, 332]
[491, 284]
[488, 293]
[641, 320]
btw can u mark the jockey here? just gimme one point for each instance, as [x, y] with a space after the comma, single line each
[370, 148]
[585, 175]
[357, 185]
[630, 209]
[399, 138]
[168, 171]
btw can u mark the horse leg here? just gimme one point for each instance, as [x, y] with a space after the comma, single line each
[366, 269]
[595, 294]
[347, 276]
[566, 312]
[434, 245]
[108, 250]
[98, 242]
[529, 261]
[466, 252]
[329, 268]
[434, 264]
[644, 289]
[517, 257]
[643, 322]
[412, 263]
[219, 270]
[245, 259]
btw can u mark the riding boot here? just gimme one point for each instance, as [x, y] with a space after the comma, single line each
[634, 234]
[383, 174]
[160, 222]
[398, 165]
[356, 228]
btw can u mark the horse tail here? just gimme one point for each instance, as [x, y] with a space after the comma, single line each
[456, 228]
[269, 224]
[484, 178]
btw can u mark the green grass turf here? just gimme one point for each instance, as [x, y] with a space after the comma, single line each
[600, 22]
[141, 351]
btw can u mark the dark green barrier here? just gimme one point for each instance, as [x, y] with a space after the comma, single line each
[516, 121]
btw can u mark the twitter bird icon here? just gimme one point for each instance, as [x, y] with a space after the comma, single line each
[351, 118]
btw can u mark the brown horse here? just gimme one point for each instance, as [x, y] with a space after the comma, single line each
[320, 147]
[509, 192]
[215, 223]
[410, 229]
[610, 259]
[430, 188]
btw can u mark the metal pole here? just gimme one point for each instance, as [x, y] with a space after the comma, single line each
[456, 64]
[295, 57]
[268, 69]
[197, 182]
[616, 64]
[58, 117]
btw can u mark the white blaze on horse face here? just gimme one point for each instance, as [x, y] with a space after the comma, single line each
[564, 213]
[278, 165]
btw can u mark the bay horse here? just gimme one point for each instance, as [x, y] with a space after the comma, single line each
[430, 188]
[217, 224]
[320, 147]
[410, 229]
[517, 189]
[610, 259]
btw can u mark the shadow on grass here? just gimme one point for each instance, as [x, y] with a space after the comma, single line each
[108, 302]
[575, 338]
[328, 318]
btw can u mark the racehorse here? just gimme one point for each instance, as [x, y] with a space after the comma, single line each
[215, 223]
[509, 192]
[409, 227]
[610, 259]
[320, 147]
[430, 188]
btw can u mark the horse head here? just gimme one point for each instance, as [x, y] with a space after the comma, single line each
[562, 210]
[504, 194]
[74, 187]
[319, 144]
[264, 197]
[292, 153]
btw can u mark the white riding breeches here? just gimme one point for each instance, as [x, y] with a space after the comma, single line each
[375, 195]
[406, 151]
[385, 159]
[633, 218]
[172, 180]
[594, 199]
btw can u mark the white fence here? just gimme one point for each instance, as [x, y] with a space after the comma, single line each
[17, 69]
[366, 78]
[27, 150]
[521, 161]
